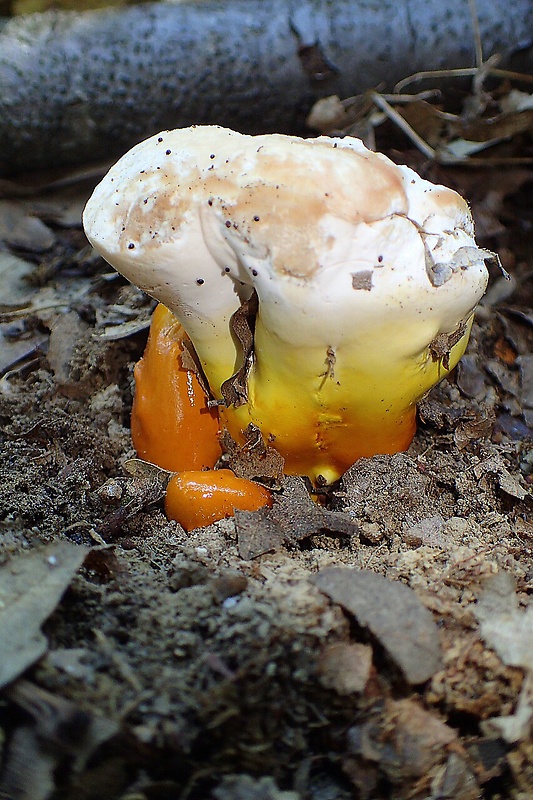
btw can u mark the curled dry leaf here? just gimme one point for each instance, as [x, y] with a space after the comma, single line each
[392, 613]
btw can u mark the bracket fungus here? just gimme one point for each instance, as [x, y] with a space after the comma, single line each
[359, 280]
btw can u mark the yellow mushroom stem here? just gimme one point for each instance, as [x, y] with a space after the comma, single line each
[322, 411]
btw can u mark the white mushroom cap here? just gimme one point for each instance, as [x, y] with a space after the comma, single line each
[356, 262]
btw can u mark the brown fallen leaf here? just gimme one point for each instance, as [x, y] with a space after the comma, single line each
[31, 586]
[254, 460]
[257, 533]
[392, 613]
[293, 517]
[345, 667]
[406, 740]
[473, 427]
[20, 229]
[470, 378]
[235, 389]
[509, 631]
[146, 484]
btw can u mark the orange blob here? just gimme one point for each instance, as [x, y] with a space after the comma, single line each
[171, 425]
[196, 498]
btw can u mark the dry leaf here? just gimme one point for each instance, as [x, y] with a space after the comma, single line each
[31, 586]
[235, 389]
[392, 613]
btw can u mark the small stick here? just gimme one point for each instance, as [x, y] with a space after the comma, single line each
[422, 145]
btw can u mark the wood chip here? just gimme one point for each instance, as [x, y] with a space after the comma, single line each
[345, 667]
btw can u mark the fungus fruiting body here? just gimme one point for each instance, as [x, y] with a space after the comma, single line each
[171, 424]
[195, 498]
[366, 278]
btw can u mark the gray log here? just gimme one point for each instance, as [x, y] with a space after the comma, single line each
[80, 86]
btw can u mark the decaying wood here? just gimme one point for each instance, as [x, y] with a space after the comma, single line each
[76, 87]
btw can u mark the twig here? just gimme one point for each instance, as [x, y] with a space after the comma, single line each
[430, 94]
[422, 145]
[460, 73]
[477, 34]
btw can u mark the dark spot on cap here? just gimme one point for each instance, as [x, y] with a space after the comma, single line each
[199, 281]
[168, 152]
[227, 269]
[256, 218]
[131, 246]
[228, 224]
[160, 139]
[254, 273]
[380, 259]
[209, 202]
[212, 155]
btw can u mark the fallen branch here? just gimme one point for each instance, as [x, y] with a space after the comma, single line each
[75, 87]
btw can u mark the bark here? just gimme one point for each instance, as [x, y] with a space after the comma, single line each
[75, 87]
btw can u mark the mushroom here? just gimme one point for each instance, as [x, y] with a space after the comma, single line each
[196, 499]
[171, 424]
[366, 278]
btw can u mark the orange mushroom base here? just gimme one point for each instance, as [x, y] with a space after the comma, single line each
[199, 498]
[172, 427]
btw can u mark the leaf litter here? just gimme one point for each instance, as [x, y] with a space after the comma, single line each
[373, 645]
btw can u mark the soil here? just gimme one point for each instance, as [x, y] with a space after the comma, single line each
[215, 664]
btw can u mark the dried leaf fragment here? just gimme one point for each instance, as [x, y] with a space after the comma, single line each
[392, 613]
[403, 738]
[147, 484]
[254, 459]
[345, 667]
[441, 346]
[503, 626]
[509, 631]
[31, 586]
[235, 390]
[293, 517]
[472, 427]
